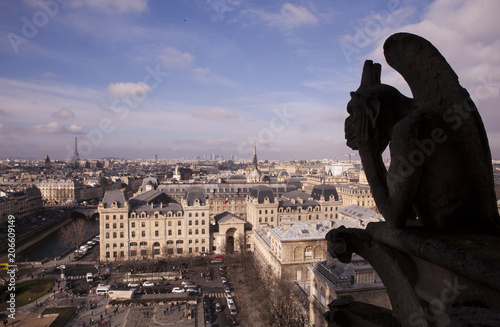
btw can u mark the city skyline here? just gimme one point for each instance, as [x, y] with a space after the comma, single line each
[135, 78]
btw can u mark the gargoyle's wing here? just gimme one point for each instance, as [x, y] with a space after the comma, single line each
[425, 70]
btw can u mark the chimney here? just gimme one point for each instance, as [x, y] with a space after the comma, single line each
[286, 227]
[313, 224]
[161, 205]
[151, 205]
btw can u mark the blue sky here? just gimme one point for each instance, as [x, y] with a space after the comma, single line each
[131, 78]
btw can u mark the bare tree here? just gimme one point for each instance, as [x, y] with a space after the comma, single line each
[275, 301]
[73, 234]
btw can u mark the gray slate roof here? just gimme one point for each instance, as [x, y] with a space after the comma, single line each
[117, 196]
[261, 192]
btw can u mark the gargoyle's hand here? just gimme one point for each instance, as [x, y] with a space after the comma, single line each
[366, 135]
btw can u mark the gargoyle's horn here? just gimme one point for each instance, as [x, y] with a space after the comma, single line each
[371, 74]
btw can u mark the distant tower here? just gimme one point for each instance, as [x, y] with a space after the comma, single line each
[47, 161]
[255, 162]
[255, 174]
[76, 157]
[156, 163]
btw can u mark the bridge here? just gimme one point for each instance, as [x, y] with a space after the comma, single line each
[89, 211]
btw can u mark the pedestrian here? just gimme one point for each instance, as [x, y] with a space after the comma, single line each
[106, 312]
[101, 317]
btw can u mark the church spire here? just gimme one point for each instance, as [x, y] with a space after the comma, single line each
[255, 162]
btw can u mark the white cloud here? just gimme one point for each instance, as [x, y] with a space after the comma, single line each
[125, 90]
[174, 58]
[64, 113]
[289, 17]
[121, 6]
[49, 75]
[56, 128]
[215, 113]
[50, 128]
[201, 71]
[75, 129]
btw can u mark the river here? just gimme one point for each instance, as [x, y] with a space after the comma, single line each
[50, 247]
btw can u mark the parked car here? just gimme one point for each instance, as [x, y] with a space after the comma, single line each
[191, 290]
[133, 284]
[178, 290]
[216, 261]
[218, 307]
[148, 284]
[184, 282]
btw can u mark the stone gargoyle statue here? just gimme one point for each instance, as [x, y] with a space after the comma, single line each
[441, 169]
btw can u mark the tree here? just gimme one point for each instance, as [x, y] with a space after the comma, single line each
[73, 234]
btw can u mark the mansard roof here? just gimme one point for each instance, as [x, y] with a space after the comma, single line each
[262, 192]
[112, 196]
[195, 193]
[326, 191]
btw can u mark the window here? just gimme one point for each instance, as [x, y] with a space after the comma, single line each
[190, 215]
[179, 250]
[107, 217]
[170, 242]
[143, 224]
[143, 243]
[308, 252]
[143, 234]
[196, 222]
[107, 226]
[196, 231]
[203, 230]
[315, 290]
[170, 251]
[203, 222]
[107, 254]
[133, 234]
[323, 297]
[121, 245]
[190, 222]
[169, 232]
[107, 245]
[114, 245]
[179, 223]
[121, 234]
[190, 232]
[157, 233]
[121, 216]
[114, 234]
[132, 225]
[107, 235]
[114, 225]
[114, 217]
[156, 224]
[133, 253]
[121, 225]
[179, 232]
[133, 243]
[170, 223]
[144, 252]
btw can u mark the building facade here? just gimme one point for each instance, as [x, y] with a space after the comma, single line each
[153, 225]
[331, 279]
[289, 248]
